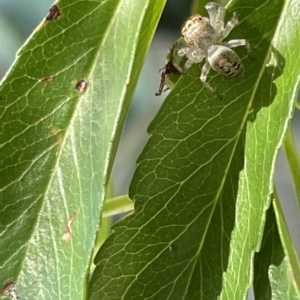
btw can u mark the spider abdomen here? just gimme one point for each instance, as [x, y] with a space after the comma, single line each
[225, 61]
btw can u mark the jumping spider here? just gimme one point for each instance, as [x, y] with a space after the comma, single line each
[204, 38]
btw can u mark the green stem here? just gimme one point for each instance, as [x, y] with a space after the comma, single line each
[198, 7]
[116, 206]
[293, 161]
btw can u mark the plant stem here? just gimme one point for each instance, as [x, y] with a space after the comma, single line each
[116, 206]
[293, 161]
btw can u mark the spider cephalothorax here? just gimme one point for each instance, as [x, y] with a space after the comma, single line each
[204, 38]
[196, 29]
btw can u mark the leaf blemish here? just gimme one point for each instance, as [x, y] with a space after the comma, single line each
[81, 85]
[53, 14]
[47, 79]
[67, 235]
[10, 291]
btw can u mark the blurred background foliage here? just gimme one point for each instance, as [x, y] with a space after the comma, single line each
[18, 19]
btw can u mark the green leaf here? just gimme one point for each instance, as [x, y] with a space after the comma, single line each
[281, 282]
[264, 137]
[276, 266]
[271, 253]
[58, 141]
[188, 229]
[291, 260]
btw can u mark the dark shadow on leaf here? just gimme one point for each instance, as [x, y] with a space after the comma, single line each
[267, 89]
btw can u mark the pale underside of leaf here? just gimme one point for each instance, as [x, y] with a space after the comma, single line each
[58, 141]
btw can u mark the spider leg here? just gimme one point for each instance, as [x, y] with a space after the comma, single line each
[203, 76]
[216, 15]
[229, 26]
[193, 54]
[187, 65]
[237, 43]
[183, 51]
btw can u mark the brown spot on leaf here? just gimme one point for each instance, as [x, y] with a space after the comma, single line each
[47, 79]
[54, 13]
[10, 291]
[81, 85]
[67, 235]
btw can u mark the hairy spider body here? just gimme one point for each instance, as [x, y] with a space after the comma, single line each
[204, 39]
[225, 61]
[197, 29]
